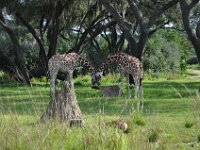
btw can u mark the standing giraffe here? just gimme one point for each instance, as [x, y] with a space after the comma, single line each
[127, 65]
[67, 63]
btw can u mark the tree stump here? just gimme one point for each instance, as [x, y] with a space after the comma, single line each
[64, 107]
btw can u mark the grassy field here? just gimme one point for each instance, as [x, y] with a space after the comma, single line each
[170, 119]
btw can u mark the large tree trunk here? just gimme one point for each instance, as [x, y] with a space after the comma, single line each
[19, 59]
[64, 107]
[9, 67]
[194, 37]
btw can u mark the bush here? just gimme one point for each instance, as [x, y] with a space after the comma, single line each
[152, 135]
[162, 56]
[198, 138]
[166, 52]
[82, 80]
[189, 124]
[138, 119]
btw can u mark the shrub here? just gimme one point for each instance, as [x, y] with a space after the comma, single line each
[189, 124]
[152, 135]
[198, 138]
[82, 80]
[138, 119]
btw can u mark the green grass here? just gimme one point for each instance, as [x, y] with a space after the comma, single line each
[194, 67]
[170, 117]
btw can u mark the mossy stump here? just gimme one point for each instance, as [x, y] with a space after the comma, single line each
[64, 107]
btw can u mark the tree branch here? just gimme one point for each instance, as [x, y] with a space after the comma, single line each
[193, 3]
[42, 53]
[95, 24]
[121, 22]
[138, 15]
[185, 9]
[160, 11]
[97, 32]
[29, 27]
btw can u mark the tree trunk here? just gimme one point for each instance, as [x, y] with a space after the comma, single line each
[19, 59]
[9, 67]
[53, 37]
[64, 107]
[194, 38]
[42, 55]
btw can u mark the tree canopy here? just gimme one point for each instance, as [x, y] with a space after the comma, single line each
[33, 31]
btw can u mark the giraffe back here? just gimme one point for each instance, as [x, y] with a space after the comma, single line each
[126, 63]
[68, 62]
[129, 64]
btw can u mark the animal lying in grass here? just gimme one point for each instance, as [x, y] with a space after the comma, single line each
[109, 91]
[119, 123]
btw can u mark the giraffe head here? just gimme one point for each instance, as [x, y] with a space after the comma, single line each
[96, 78]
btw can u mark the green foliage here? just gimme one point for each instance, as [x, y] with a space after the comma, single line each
[83, 80]
[167, 51]
[138, 119]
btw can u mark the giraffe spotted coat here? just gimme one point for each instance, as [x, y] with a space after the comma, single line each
[66, 63]
[127, 65]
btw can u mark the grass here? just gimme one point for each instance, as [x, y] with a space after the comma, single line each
[170, 118]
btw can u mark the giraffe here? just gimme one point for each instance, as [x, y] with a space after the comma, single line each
[127, 65]
[67, 63]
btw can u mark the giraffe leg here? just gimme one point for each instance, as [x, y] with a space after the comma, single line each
[121, 82]
[136, 95]
[141, 95]
[128, 85]
[136, 87]
[140, 89]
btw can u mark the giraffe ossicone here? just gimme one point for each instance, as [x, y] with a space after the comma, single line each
[127, 65]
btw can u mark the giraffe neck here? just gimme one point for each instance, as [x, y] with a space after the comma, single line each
[87, 64]
[113, 59]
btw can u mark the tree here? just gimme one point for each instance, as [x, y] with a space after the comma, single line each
[56, 22]
[49, 23]
[99, 27]
[194, 37]
[20, 67]
[146, 28]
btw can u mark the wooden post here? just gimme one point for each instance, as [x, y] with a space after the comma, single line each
[64, 107]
